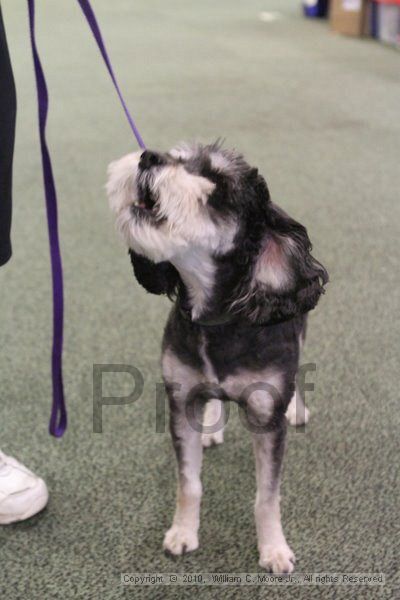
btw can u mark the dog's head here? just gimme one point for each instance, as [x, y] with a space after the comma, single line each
[206, 216]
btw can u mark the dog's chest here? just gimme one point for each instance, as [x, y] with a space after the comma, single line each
[245, 351]
[217, 354]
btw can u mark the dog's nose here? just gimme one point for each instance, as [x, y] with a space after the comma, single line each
[149, 159]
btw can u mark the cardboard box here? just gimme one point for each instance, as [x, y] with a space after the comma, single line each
[348, 16]
[388, 23]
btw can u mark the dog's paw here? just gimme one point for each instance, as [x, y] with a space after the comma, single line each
[277, 558]
[212, 439]
[179, 540]
[297, 415]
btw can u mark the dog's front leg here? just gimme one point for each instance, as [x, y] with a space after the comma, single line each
[275, 554]
[262, 410]
[186, 437]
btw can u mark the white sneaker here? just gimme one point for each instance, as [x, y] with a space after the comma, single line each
[22, 493]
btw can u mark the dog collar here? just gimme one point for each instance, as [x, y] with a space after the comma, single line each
[223, 319]
[228, 319]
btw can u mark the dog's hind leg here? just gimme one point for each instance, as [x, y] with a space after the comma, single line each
[186, 437]
[213, 423]
[297, 413]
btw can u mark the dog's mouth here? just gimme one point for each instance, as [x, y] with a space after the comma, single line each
[146, 199]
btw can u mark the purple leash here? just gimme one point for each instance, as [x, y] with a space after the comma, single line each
[92, 22]
[58, 418]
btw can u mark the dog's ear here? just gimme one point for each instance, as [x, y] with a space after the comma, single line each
[286, 279]
[156, 278]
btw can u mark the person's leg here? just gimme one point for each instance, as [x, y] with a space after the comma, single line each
[22, 493]
[8, 107]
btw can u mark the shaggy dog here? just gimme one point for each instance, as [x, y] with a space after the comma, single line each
[202, 229]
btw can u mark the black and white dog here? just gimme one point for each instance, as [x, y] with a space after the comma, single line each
[202, 229]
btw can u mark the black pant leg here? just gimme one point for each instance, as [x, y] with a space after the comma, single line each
[8, 108]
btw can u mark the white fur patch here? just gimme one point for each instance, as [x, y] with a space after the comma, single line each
[122, 194]
[213, 423]
[181, 196]
[182, 151]
[197, 271]
[121, 184]
[297, 413]
[219, 162]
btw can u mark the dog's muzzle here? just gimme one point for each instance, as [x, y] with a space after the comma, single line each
[149, 159]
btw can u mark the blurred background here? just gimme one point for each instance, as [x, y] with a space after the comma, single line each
[379, 19]
[310, 97]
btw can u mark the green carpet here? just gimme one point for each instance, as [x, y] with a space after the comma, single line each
[319, 114]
